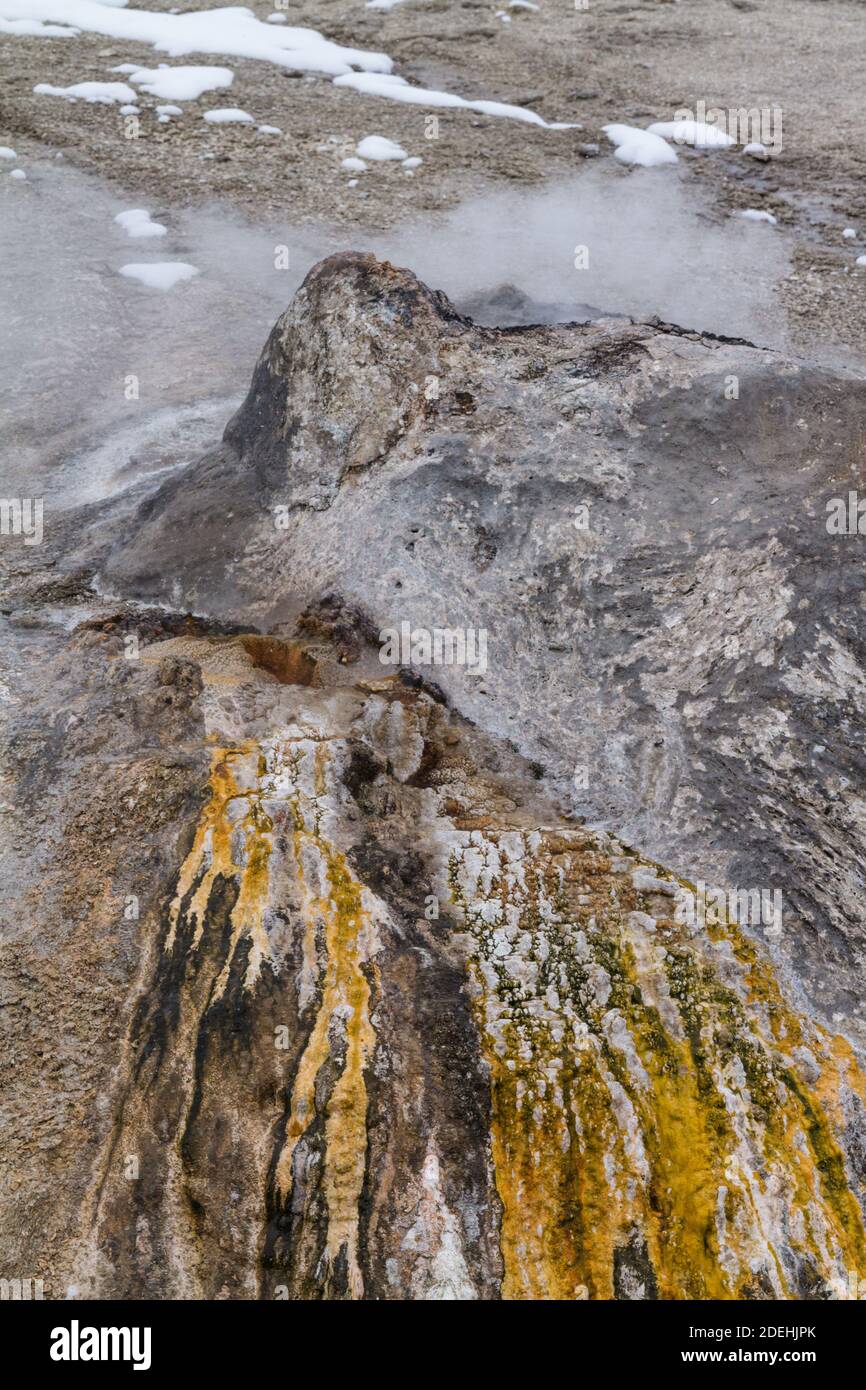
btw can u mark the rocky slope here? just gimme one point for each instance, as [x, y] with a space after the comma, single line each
[333, 979]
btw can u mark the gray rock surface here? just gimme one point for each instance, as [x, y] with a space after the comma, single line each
[696, 652]
[328, 977]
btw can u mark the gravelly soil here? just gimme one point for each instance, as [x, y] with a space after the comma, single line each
[616, 61]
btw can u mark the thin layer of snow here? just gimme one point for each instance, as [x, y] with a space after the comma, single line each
[276, 19]
[230, 31]
[235, 32]
[228, 115]
[398, 89]
[7, 152]
[382, 4]
[137, 222]
[130, 110]
[178, 84]
[696, 133]
[160, 275]
[756, 215]
[33, 28]
[269, 129]
[354, 166]
[636, 146]
[17, 174]
[413, 162]
[378, 147]
[169, 110]
[103, 93]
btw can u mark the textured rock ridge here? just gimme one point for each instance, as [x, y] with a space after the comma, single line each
[549, 1088]
[405, 1007]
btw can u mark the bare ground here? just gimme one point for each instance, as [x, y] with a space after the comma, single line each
[615, 61]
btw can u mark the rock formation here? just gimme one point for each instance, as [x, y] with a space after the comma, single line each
[340, 978]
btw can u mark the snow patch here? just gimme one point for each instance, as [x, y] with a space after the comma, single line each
[636, 146]
[7, 152]
[228, 115]
[34, 28]
[398, 89]
[160, 275]
[355, 166]
[102, 93]
[178, 84]
[696, 133]
[230, 31]
[378, 147]
[756, 215]
[137, 223]
[235, 32]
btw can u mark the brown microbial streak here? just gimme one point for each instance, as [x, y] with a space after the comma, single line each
[346, 997]
[232, 819]
[699, 1141]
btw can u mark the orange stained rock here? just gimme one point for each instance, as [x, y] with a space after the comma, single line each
[213, 855]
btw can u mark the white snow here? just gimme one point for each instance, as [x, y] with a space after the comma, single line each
[382, 4]
[849, 233]
[756, 150]
[355, 166]
[861, 260]
[378, 147]
[697, 133]
[160, 275]
[231, 31]
[413, 162]
[235, 32]
[104, 93]
[636, 146]
[17, 174]
[228, 115]
[269, 129]
[398, 89]
[178, 84]
[137, 222]
[7, 152]
[32, 28]
[130, 110]
[755, 215]
[169, 111]
[276, 19]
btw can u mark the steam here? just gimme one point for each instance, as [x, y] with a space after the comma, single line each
[608, 240]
